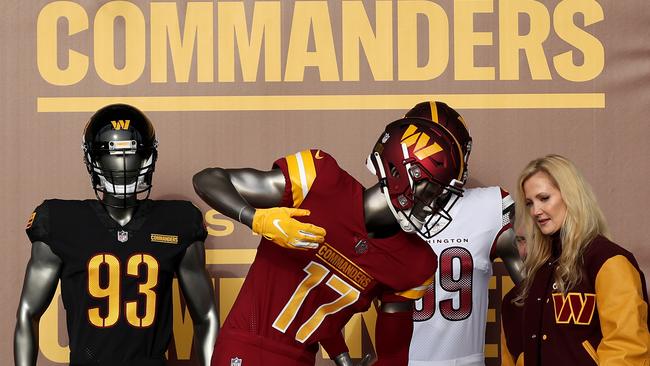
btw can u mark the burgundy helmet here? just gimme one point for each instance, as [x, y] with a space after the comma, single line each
[420, 167]
[443, 114]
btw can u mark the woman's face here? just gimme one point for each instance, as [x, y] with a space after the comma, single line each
[544, 202]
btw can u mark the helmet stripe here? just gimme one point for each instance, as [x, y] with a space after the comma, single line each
[434, 112]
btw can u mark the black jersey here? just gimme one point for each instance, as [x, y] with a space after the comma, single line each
[116, 281]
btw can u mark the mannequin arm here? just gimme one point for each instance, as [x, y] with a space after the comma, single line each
[506, 249]
[199, 296]
[237, 192]
[41, 278]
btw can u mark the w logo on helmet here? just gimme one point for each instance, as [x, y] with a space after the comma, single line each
[121, 124]
[422, 148]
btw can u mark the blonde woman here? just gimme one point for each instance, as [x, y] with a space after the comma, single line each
[583, 300]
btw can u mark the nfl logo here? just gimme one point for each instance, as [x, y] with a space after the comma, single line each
[361, 247]
[235, 361]
[122, 236]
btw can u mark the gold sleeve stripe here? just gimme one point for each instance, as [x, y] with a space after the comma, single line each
[416, 292]
[520, 360]
[294, 177]
[302, 173]
[623, 313]
[434, 112]
[413, 294]
[506, 357]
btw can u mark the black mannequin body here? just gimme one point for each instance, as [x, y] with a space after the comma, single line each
[121, 170]
[42, 276]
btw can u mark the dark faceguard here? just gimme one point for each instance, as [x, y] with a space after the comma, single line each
[432, 201]
[126, 175]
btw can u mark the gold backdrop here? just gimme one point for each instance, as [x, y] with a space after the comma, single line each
[240, 83]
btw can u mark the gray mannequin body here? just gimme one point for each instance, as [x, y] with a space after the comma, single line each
[44, 269]
[236, 193]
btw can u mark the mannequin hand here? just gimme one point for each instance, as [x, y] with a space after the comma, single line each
[344, 360]
[277, 225]
[365, 361]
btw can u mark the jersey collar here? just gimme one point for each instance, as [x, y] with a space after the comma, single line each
[136, 222]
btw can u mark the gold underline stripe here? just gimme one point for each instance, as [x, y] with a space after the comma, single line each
[324, 102]
[229, 256]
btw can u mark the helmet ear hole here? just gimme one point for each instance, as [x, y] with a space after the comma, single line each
[393, 170]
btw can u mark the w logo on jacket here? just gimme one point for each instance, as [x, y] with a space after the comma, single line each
[574, 307]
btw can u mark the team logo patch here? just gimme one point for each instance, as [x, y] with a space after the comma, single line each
[30, 221]
[361, 247]
[235, 361]
[122, 236]
[165, 239]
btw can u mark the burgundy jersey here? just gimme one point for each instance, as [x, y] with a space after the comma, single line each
[298, 297]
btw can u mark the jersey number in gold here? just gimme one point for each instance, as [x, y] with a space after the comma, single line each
[316, 273]
[110, 290]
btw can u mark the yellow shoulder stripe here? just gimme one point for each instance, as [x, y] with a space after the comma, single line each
[302, 173]
[416, 292]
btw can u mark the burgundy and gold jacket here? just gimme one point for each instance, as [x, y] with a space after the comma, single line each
[601, 321]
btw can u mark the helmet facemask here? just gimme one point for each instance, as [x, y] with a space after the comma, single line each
[424, 206]
[120, 169]
[432, 203]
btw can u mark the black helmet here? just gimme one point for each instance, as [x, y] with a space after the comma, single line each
[119, 145]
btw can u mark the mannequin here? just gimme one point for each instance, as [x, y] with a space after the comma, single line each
[120, 153]
[335, 217]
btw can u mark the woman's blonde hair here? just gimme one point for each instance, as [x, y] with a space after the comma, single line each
[583, 222]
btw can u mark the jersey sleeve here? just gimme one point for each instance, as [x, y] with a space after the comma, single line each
[306, 172]
[199, 232]
[38, 224]
[407, 295]
[507, 211]
[507, 203]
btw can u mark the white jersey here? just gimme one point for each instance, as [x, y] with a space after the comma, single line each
[449, 321]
